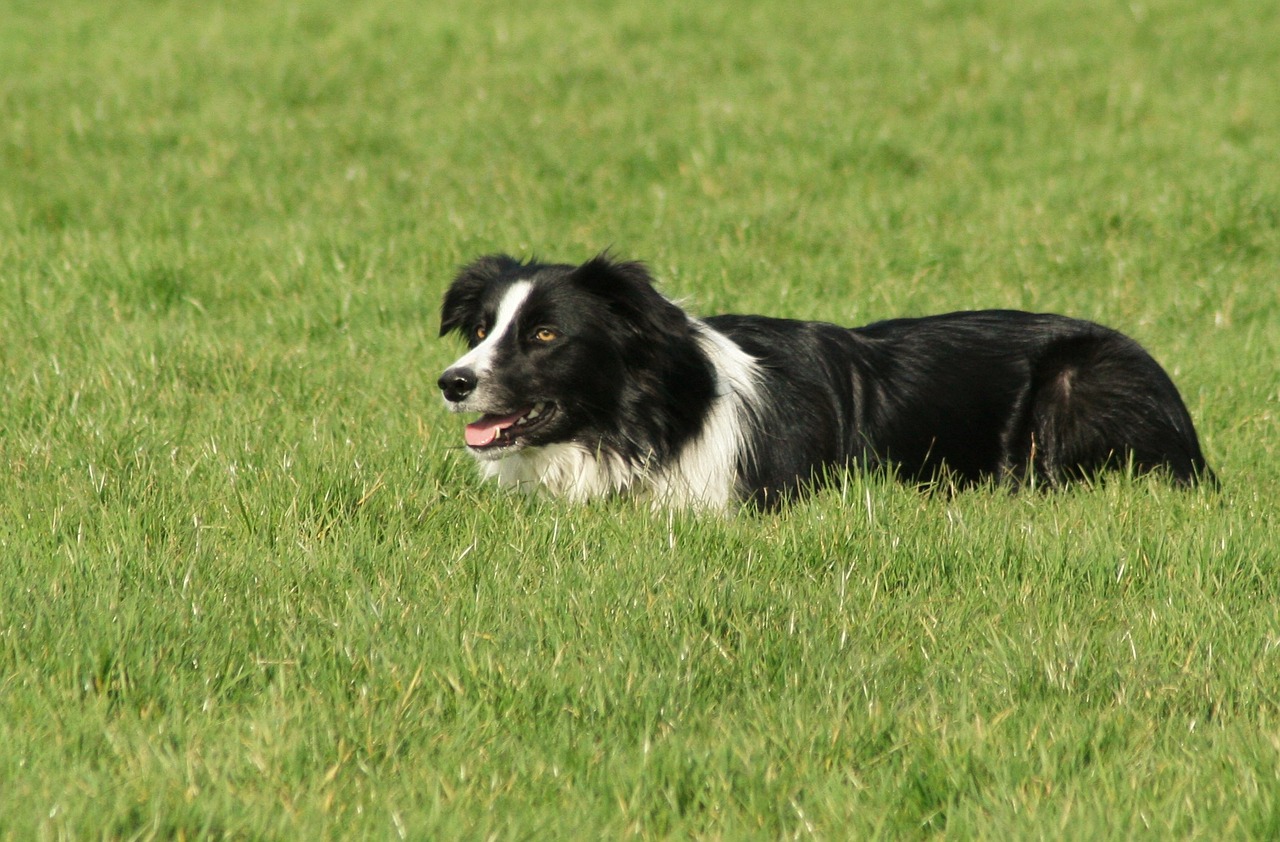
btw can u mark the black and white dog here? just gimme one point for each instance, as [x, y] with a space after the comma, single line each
[590, 382]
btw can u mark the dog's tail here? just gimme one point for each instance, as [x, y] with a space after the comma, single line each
[1099, 400]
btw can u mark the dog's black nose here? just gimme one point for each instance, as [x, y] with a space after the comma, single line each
[457, 383]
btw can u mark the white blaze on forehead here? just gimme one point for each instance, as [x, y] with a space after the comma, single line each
[480, 358]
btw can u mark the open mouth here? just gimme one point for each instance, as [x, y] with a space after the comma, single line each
[497, 431]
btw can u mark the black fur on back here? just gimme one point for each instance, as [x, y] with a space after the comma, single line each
[1000, 394]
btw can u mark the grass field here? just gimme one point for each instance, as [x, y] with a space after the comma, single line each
[250, 586]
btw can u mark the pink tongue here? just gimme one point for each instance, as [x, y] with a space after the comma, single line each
[486, 430]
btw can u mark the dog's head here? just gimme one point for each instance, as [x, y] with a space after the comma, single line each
[553, 349]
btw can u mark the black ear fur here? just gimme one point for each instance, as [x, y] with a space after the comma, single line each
[462, 301]
[627, 287]
[670, 381]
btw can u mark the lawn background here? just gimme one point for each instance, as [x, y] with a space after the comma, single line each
[250, 586]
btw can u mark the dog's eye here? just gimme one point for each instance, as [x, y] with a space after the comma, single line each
[545, 334]
[480, 332]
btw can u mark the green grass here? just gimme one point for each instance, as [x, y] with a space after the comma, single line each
[251, 587]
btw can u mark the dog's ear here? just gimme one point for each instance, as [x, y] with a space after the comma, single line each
[627, 287]
[462, 301]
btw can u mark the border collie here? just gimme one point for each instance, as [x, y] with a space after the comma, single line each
[589, 382]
